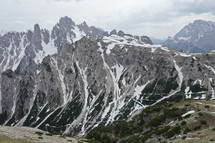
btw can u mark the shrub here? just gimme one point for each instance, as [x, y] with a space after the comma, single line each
[183, 123]
[155, 122]
[187, 116]
[156, 108]
[184, 137]
[207, 106]
[120, 129]
[197, 127]
[203, 122]
[89, 141]
[40, 137]
[200, 114]
[162, 131]
[187, 130]
[104, 134]
[180, 118]
[39, 133]
[172, 132]
[133, 139]
[49, 134]
[171, 113]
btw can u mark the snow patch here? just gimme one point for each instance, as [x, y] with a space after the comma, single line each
[78, 34]
[185, 54]
[212, 94]
[198, 81]
[114, 40]
[203, 96]
[196, 98]
[184, 38]
[189, 112]
[69, 41]
[48, 49]
[187, 93]
[209, 67]
[109, 48]
[47, 117]
[194, 58]
[138, 89]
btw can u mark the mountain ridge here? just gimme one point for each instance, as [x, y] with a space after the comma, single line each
[196, 37]
[95, 81]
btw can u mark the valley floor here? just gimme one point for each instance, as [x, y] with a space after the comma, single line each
[30, 135]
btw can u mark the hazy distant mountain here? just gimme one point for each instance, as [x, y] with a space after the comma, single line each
[196, 37]
[2, 32]
[157, 41]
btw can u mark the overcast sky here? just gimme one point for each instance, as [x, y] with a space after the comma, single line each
[154, 18]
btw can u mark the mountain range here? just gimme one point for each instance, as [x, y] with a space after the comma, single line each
[196, 37]
[77, 77]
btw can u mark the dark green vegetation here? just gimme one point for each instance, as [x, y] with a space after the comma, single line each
[161, 123]
[39, 133]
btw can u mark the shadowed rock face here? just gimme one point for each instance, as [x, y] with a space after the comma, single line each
[94, 82]
[197, 37]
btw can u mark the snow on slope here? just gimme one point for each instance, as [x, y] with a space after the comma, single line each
[180, 76]
[114, 40]
[189, 112]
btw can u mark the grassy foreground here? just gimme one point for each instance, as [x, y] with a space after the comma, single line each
[5, 139]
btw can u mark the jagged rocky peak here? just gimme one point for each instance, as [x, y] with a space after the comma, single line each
[195, 30]
[142, 39]
[121, 33]
[83, 26]
[36, 39]
[113, 32]
[203, 23]
[36, 29]
[146, 39]
[66, 23]
[195, 37]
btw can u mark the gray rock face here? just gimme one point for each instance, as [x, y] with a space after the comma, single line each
[91, 82]
[19, 50]
[196, 37]
[96, 82]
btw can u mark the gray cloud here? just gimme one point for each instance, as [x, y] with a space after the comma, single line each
[64, 0]
[157, 18]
